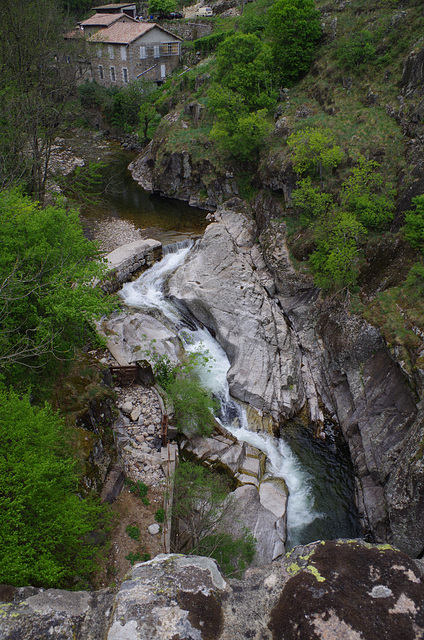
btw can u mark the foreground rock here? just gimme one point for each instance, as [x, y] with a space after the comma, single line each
[328, 590]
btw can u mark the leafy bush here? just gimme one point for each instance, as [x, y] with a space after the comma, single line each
[414, 224]
[336, 259]
[45, 526]
[139, 488]
[294, 30]
[193, 406]
[314, 151]
[133, 532]
[137, 557]
[365, 194]
[160, 515]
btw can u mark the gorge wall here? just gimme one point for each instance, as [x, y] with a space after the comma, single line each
[289, 349]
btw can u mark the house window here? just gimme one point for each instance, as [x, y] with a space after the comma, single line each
[170, 48]
[143, 54]
[156, 51]
[99, 51]
[101, 75]
[112, 74]
[125, 74]
[123, 53]
[111, 52]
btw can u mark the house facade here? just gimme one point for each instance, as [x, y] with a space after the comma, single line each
[127, 51]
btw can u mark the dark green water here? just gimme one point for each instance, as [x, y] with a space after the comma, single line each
[163, 219]
[331, 481]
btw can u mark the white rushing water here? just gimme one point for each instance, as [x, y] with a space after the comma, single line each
[148, 293]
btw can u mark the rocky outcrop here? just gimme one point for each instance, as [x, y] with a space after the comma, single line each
[126, 261]
[326, 590]
[348, 367]
[221, 285]
[175, 174]
[288, 349]
[413, 71]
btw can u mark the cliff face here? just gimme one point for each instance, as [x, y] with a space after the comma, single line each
[330, 589]
[290, 349]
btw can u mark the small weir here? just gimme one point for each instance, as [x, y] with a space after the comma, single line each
[316, 509]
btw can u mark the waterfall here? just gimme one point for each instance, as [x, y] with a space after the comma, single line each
[147, 293]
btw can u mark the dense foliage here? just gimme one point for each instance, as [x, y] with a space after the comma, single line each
[47, 298]
[45, 526]
[294, 30]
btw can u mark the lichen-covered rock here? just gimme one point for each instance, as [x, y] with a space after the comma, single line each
[349, 590]
[170, 597]
[29, 614]
[333, 590]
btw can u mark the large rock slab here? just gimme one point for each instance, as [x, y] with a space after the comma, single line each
[127, 260]
[54, 614]
[130, 335]
[170, 597]
[350, 590]
[268, 530]
[220, 286]
[347, 366]
[333, 590]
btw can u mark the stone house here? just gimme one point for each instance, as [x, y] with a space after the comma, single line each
[128, 50]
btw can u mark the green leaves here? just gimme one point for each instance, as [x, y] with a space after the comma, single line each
[47, 300]
[314, 151]
[294, 30]
[414, 224]
[44, 524]
[365, 194]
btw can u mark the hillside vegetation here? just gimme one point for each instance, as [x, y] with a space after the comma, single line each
[317, 96]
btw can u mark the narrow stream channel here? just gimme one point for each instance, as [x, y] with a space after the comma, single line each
[319, 475]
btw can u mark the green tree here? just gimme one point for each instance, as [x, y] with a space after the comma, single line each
[367, 195]
[336, 259]
[45, 525]
[311, 202]
[414, 224]
[245, 66]
[36, 81]
[294, 30]
[47, 299]
[162, 6]
[314, 151]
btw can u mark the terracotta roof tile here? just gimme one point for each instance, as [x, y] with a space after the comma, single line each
[116, 5]
[103, 19]
[124, 33]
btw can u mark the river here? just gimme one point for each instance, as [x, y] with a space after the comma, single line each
[318, 474]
